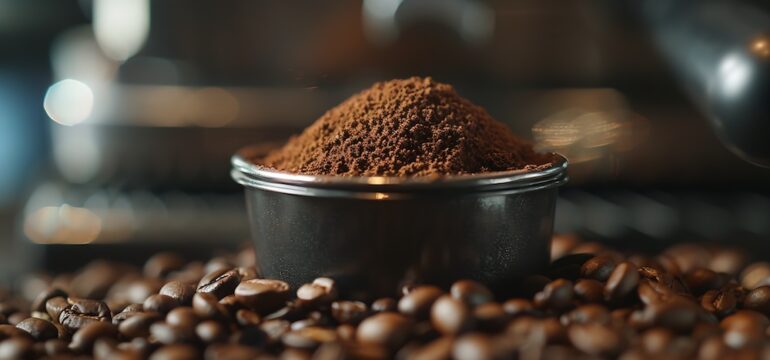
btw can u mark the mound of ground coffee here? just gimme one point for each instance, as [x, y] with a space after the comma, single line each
[411, 127]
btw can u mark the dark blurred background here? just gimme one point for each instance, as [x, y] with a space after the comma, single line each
[118, 117]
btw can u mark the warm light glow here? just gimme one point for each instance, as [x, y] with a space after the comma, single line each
[121, 26]
[583, 135]
[62, 225]
[761, 47]
[69, 102]
[217, 107]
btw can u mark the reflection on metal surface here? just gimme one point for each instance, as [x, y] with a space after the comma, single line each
[63, 224]
[583, 135]
[734, 75]
[121, 26]
[69, 102]
[473, 20]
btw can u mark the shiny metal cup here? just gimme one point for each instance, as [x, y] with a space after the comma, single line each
[374, 234]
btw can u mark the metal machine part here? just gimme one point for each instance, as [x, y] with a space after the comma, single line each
[371, 233]
[720, 50]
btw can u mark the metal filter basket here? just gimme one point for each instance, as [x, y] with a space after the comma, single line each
[374, 234]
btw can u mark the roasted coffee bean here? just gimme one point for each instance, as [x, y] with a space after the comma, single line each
[105, 348]
[676, 313]
[16, 348]
[274, 329]
[8, 308]
[321, 290]
[81, 312]
[211, 331]
[43, 297]
[622, 282]
[308, 338]
[292, 311]
[314, 319]
[713, 348]
[657, 340]
[39, 329]
[568, 267]
[85, 337]
[589, 313]
[598, 268]
[554, 319]
[162, 264]
[440, 348]
[719, 302]
[349, 312]
[123, 316]
[346, 332]
[595, 339]
[262, 295]
[182, 316]
[17, 317]
[518, 307]
[138, 325]
[133, 308]
[474, 346]
[700, 280]
[589, 290]
[179, 291]
[9, 331]
[55, 306]
[451, 316]
[247, 272]
[729, 261]
[55, 347]
[387, 329]
[562, 244]
[471, 292]
[246, 317]
[176, 352]
[166, 333]
[758, 300]
[231, 352]
[744, 328]
[206, 306]
[556, 295]
[664, 279]
[540, 331]
[755, 275]
[141, 346]
[219, 283]
[490, 316]
[418, 302]
[231, 303]
[159, 303]
[384, 304]
[250, 335]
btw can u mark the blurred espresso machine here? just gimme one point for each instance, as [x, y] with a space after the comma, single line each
[660, 106]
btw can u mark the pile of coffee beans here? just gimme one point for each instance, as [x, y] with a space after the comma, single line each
[688, 301]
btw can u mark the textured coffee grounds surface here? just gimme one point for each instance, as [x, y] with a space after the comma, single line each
[411, 127]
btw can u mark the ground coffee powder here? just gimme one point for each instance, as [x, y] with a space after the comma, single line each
[411, 127]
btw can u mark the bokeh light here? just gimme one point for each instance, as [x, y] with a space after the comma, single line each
[69, 102]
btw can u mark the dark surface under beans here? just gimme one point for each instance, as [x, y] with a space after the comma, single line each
[687, 302]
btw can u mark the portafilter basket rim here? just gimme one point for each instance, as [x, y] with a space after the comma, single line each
[250, 174]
